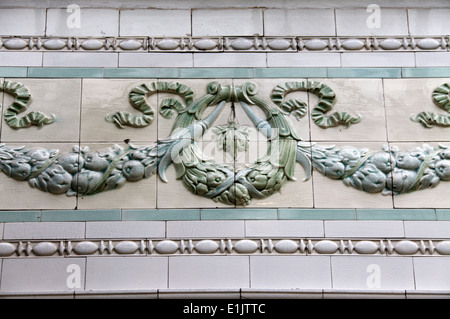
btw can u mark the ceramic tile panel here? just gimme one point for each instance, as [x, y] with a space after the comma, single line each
[432, 273]
[429, 21]
[378, 59]
[155, 60]
[406, 97]
[130, 194]
[330, 192]
[209, 272]
[362, 97]
[44, 230]
[154, 23]
[228, 59]
[28, 59]
[12, 21]
[371, 21]
[125, 229]
[126, 273]
[80, 59]
[432, 59]
[19, 194]
[232, 22]
[85, 22]
[106, 97]
[430, 196]
[294, 272]
[284, 228]
[43, 274]
[364, 228]
[303, 59]
[205, 229]
[58, 97]
[295, 22]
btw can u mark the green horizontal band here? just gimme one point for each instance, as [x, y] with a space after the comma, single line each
[209, 73]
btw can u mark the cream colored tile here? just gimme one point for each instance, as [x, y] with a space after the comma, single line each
[436, 197]
[17, 194]
[1, 110]
[355, 96]
[264, 90]
[199, 87]
[405, 97]
[102, 97]
[294, 193]
[137, 194]
[60, 97]
[334, 193]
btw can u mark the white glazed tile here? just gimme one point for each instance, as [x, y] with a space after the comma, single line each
[295, 22]
[375, 273]
[22, 22]
[432, 273]
[303, 59]
[353, 22]
[284, 228]
[60, 97]
[126, 273]
[227, 22]
[405, 97]
[92, 22]
[427, 229]
[80, 59]
[156, 60]
[205, 229]
[132, 195]
[290, 272]
[28, 59]
[33, 198]
[431, 21]
[227, 59]
[364, 228]
[155, 23]
[432, 59]
[44, 230]
[199, 294]
[333, 193]
[209, 272]
[355, 96]
[125, 229]
[378, 59]
[43, 274]
[102, 97]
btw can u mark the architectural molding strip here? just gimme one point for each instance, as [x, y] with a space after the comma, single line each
[226, 44]
[226, 246]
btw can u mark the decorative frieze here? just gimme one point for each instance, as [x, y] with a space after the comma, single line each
[226, 246]
[221, 44]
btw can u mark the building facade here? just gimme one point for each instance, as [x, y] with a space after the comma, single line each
[234, 149]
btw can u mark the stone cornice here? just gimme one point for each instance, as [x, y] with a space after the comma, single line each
[227, 44]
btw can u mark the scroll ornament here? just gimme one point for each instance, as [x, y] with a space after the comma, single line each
[84, 172]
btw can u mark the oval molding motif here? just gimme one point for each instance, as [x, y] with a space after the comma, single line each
[85, 248]
[92, 44]
[206, 247]
[126, 247]
[406, 247]
[45, 249]
[286, 246]
[443, 247]
[390, 44]
[168, 44]
[6, 249]
[166, 247]
[241, 44]
[245, 246]
[15, 44]
[428, 44]
[130, 44]
[54, 44]
[279, 44]
[326, 247]
[353, 44]
[366, 247]
[205, 44]
[315, 45]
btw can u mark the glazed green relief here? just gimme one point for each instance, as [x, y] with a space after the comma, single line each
[441, 96]
[86, 172]
[22, 98]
